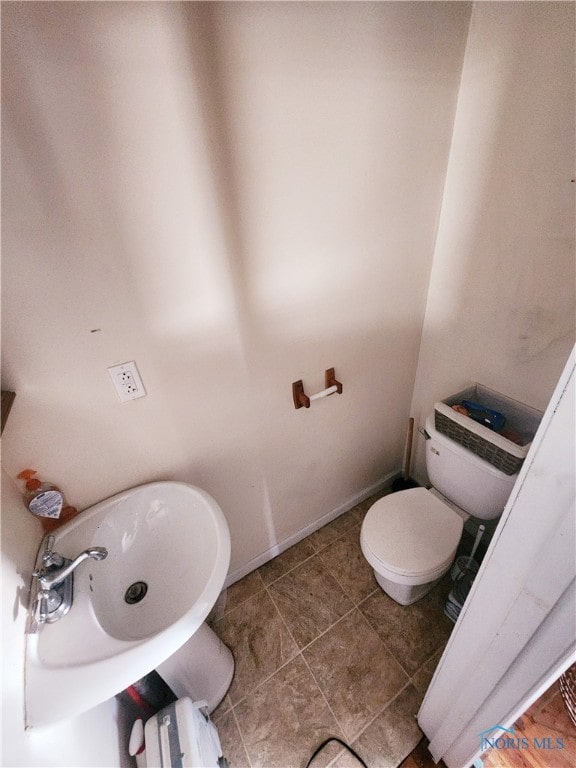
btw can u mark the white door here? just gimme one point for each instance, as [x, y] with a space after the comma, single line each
[517, 630]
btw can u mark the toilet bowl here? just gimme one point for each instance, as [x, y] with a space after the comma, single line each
[410, 537]
[410, 540]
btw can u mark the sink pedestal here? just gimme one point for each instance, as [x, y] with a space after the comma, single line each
[201, 669]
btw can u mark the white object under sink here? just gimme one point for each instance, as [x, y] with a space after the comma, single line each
[170, 536]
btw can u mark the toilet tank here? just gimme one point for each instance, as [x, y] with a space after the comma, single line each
[473, 484]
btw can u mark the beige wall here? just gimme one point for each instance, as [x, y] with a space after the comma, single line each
[237, 196]
[501, 298]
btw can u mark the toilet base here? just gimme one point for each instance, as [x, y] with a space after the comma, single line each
[405, 594]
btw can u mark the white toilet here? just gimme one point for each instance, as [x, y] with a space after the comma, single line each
[410, 537]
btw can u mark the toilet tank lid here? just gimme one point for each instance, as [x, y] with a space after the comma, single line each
[412, 532]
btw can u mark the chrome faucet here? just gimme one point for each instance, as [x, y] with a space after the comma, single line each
[50, 579]
[56, 581]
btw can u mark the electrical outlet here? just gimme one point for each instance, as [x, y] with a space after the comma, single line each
[127, 381]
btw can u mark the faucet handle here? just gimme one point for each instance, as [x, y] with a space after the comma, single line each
[41, 607]
[46, 603]
[49, 557]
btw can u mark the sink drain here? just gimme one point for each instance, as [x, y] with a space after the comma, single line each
[136, 592]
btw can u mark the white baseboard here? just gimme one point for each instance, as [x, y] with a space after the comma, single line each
[285, 544]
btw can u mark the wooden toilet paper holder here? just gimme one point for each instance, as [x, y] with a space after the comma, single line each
[301, 399]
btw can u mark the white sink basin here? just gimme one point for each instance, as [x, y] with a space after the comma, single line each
[170, 537]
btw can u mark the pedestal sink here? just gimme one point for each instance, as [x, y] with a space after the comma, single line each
[168, 555]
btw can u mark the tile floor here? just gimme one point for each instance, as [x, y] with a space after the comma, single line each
[321, 651]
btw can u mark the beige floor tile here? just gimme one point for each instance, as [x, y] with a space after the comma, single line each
[332, 531]
[345, 561]
[241, 590]
[390, 737]
[231, 742]
[224, 706]
[259, 640]
[278, 710]
[286, 561]
[234, 595]
[355, 672]
[422, 679]
[285, 718]
[411, 632]
[310, 600]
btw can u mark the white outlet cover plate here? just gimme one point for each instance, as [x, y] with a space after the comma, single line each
[127, 381]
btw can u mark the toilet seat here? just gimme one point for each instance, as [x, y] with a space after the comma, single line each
[411, 535]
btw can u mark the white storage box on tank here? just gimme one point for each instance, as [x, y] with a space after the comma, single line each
[182, 736]
[506, 450]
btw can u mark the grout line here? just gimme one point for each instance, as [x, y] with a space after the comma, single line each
[233, 608]
[300, 651]
[377, 589]
[387, 704]
[247, 753]
[380, 711]
[266, 584]
[352, 598]
[316, 551]
[293, 568]
[309, 669]
[389, 650]
[338, 723]
[266, 679]
[429, 658]
[328, 628]
[340, 535]
[324, 631]
[279, 612]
